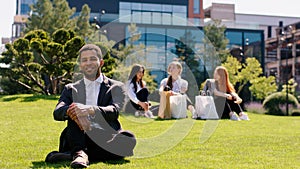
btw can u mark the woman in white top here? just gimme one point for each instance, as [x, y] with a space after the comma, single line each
[170, 86]
[137, 91]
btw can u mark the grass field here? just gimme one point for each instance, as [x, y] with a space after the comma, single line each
[28, 133]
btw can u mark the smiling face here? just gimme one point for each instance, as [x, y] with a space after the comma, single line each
[90, 64]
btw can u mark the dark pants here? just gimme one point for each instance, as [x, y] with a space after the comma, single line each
[142, 95]
[224, 107]
[100, 144]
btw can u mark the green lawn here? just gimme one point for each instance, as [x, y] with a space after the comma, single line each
[28, 133]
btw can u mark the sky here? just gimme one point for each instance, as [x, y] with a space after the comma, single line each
[262, 7]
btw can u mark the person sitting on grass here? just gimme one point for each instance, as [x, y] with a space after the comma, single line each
[171, 86]
[91, 107]
[227, 101]
[138, 92]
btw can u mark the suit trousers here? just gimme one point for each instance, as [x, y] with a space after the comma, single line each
[100, 144]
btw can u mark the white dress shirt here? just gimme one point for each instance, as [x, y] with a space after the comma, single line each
[92, 89]
[131, 93]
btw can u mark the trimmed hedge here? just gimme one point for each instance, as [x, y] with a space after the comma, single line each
[275, 103]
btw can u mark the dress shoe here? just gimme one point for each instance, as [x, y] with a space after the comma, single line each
[80, 160]
[55, 156]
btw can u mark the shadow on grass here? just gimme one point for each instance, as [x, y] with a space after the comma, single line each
[66, 164]
[43, 164]
[38, 97]
[27, 98]
[114, 162]
[168, 119]
[8, 99]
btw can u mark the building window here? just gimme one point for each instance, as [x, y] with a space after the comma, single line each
[249, 42]
[196, 6]
[166, 8]
[149, 13]
[151, 7]
[136, 17]
[252, 45]
[136, 6]
[23, 6]
[235, 38]
[125, 5]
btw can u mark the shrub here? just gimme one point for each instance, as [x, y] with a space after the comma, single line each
[296, 112]
[275, 103]
[255, 107]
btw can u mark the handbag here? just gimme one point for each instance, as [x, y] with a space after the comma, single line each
[178, 106]
[205, 108]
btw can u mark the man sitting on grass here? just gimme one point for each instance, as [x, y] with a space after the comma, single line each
[91, 106]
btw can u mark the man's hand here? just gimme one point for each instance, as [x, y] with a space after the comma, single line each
[79, 113]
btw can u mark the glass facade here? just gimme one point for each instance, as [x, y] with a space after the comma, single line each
[250, 41]
[149, 13]
[23, 6]
[161, 46]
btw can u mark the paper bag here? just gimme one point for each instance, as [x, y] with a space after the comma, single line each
[178, 106]
[205, 107]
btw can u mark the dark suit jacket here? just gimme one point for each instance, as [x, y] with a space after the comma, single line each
[110, 100]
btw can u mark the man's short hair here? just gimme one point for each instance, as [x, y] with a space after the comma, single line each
[91, 47]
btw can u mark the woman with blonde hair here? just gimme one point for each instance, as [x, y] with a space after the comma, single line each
[227, 101]
[171, 86]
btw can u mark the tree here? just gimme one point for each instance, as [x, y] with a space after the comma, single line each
[42, 63]
[184, 51]
[83, 27]
[49, 48]
[215, 36]
[110, 62]
[130, 54]
[51, 15]
[250, 73]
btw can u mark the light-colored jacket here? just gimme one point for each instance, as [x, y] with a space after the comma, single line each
[210, 88]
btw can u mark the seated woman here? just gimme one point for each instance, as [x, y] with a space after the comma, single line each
[170, 86]
[138, 93]
[226, 99]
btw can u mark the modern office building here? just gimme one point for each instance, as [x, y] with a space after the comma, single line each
[162, 23]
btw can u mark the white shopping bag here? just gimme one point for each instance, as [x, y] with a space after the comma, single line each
[178, 106]
[205, 107]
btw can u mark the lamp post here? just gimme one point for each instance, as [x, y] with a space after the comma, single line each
[286, 80]
[288, 45]
[283, 41]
